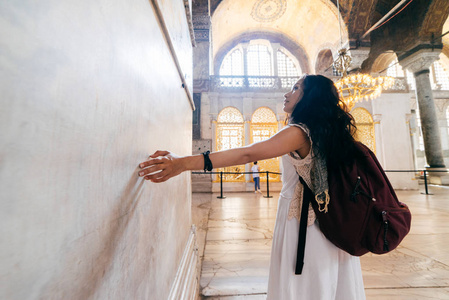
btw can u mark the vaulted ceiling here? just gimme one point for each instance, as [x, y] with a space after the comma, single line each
[313, 24]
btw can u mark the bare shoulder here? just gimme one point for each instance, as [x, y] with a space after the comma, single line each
[297, 133]
[295, 130]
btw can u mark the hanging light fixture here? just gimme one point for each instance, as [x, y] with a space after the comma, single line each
[356, 87]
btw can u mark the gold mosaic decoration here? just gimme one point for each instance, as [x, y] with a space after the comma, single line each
[263, 126]
[365, 128]
[229, 135]
[268, 10]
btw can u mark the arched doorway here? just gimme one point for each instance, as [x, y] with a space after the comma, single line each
[230, 134]
[263, 126]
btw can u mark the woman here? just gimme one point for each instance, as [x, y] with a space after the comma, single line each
[319, 136]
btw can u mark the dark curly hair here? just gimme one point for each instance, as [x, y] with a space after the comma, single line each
[331, 127]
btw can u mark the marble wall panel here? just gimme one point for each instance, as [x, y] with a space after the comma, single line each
[396, 146]
[175, 18]
[89, 89]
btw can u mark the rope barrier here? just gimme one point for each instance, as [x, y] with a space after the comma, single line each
[267, 173]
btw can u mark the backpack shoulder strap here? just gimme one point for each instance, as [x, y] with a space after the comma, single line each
[307, 195]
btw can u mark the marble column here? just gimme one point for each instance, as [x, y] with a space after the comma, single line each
[275, 47]
[245, 64]
[419, 63]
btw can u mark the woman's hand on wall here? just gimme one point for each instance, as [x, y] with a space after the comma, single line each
[161, 166]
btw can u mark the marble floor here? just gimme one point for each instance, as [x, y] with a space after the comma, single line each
[234, 239]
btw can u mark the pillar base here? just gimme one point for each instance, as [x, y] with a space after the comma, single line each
[439, 178]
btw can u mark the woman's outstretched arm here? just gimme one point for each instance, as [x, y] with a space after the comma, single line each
[167, 164]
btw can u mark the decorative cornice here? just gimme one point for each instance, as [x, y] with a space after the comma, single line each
[201, 21]
[201, 25]
[202, 35]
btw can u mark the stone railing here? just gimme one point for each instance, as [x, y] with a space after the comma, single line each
[251, 83]
[276, 84]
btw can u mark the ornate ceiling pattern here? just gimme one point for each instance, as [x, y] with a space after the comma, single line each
[419, 23]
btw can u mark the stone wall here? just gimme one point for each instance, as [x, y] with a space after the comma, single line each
[88, 90]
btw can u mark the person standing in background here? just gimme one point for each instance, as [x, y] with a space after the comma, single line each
[255, 169]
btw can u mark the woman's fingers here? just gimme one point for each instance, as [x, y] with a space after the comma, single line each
[158, 176]
[159, 153]
[150, 162]
[151, 169]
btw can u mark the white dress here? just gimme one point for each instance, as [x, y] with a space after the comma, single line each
[329, 273]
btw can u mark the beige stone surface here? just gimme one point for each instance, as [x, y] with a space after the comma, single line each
[89, 90]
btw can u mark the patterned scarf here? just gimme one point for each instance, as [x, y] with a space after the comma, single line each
[318, 175]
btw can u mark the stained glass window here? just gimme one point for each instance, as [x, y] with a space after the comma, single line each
[229, 135]
[286, 67]
[263, 126]
[365, 128]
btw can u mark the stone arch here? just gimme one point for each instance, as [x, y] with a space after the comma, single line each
[382, 61]
[274, 37]
[324, 62]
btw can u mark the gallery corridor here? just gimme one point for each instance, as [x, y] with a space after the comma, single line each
[234, 240]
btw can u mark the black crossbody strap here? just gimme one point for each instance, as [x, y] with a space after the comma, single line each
[307, 194]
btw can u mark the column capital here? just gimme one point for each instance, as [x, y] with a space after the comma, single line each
[358, 57]
[419, 60]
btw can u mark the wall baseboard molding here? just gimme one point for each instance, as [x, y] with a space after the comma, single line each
[185, 286]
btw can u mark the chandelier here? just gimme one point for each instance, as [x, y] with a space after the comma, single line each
[359, 86]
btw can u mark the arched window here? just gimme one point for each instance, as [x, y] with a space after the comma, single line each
[230, 134]
[365, 128]
[395, 70]
[263, 126]
[441, 76]
[232, 64]
[259, 60]
[286, 66]
[259, 68]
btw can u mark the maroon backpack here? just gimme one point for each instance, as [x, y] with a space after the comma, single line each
[364, 213]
